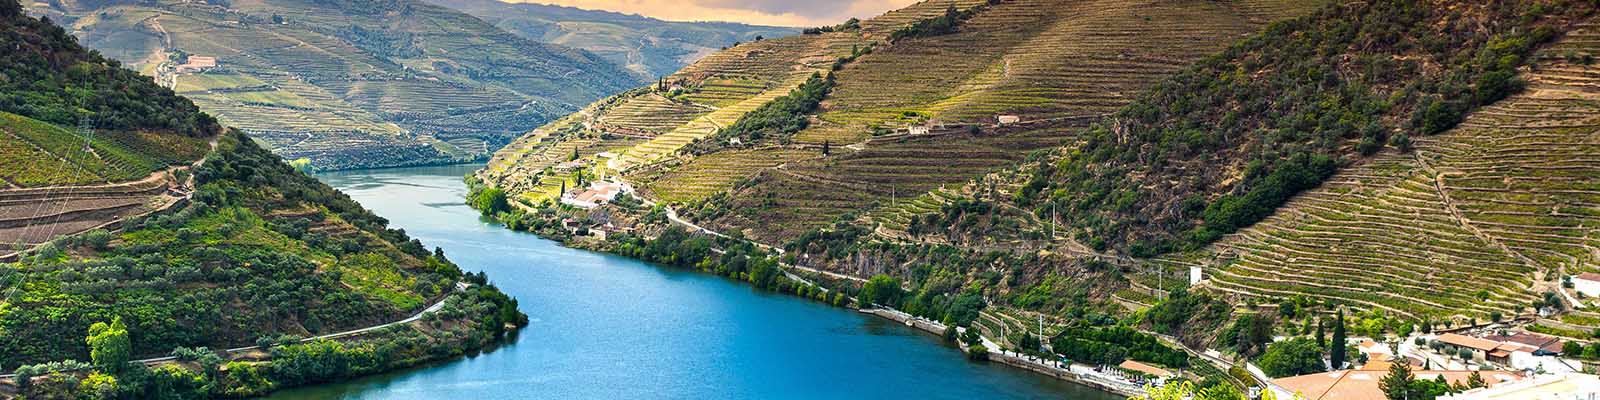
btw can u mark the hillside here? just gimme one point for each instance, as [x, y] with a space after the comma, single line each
[349, 84]
[1077, 158]
[648, 47]
[168, 233]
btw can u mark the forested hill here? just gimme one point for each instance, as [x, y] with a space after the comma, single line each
[348, 83]
[647, 46]
[244, 250]
[48, 77]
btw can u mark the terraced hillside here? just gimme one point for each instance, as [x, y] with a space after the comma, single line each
[1498, 208]
[1055, 64]
[359, 83]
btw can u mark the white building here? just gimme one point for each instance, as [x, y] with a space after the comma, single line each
[1008, 119]
[1587, 283]
[599, 192]
[1544, 387]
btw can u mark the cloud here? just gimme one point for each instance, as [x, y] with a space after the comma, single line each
[762, 12]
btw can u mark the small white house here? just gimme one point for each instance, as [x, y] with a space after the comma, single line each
[919, 129]
[1587, 283]
[1008, 119]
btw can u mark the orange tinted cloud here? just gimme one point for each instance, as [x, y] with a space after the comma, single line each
[761, 12]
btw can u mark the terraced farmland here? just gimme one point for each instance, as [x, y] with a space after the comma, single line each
[355, 86]
[651, 113]
[1497, 206]
[803, 195]
[1057, 64]
[53, 185]
[1037, 59]
[718, 172]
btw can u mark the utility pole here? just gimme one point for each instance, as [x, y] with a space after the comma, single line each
[1041, 333]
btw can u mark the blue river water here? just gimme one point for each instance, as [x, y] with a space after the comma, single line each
[607, 327]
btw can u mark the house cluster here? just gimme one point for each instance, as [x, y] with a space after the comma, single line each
[1520, 351]
[598, 192]
[1528, 362]
[197, 64]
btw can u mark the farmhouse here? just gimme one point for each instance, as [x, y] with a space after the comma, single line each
[1494, 351]
[1587, 283]
[197, 64]
[919, 129]
[1008, 119]
[598, 193]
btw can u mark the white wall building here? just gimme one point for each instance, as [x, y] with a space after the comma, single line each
[1587, 283]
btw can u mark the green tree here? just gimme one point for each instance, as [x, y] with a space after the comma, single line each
[882, 290]
[109, 346]
[1336, 348]
[1475, 380]
[1291, 357]
[491, 201]
[1397, 385]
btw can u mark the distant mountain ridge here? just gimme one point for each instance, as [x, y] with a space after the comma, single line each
[618, 37]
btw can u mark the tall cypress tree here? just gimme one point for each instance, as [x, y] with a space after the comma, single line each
[1336, 347]
[1322, 334]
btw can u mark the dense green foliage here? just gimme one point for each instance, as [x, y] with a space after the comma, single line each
[243, 259]
[1233, 137]
[1298, 356]
[1112, 345]
[940, 25]
[779, 119]
[882, 290]
[109, 347]
[46, 75]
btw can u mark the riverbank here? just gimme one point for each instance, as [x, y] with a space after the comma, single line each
[996, 354]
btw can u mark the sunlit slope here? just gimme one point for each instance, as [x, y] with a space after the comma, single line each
[1055, 64]
[1498, 208]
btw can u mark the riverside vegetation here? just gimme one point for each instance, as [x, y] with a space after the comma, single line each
[258, 254]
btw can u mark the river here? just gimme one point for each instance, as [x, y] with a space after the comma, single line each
[607, 327]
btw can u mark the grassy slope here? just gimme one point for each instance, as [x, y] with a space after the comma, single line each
[351, 84]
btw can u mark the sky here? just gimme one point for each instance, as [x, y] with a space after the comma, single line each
[798, 13]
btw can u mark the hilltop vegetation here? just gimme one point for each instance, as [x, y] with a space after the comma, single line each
[1235, 136]
[258, 253]
[648, 47]
[44, 83]
[347, 84]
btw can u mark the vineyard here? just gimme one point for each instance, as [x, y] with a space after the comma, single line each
[1479, 219]
[1055, 65]
[55, 186]
[350, 87]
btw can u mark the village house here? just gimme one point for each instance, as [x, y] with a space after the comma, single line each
[919, 130]
[599, 192]
[197, 64]
[1008, 119]
[1587, 283]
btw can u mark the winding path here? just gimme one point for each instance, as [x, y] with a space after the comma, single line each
[460, 287]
